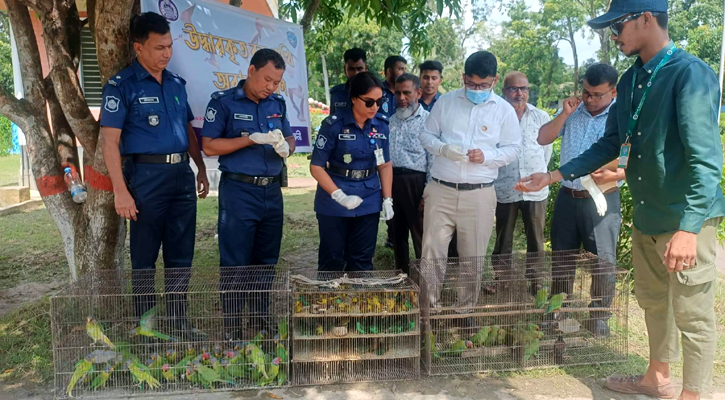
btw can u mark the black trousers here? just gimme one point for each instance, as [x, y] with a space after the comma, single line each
[533, 214]
[408, 221]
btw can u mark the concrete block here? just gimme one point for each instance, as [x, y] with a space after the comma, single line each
[10, 195]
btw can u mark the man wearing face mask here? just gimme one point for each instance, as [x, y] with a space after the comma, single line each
[411, 163]
[472, 133]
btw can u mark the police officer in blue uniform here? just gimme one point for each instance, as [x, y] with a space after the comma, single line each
[145, 119]
[351, 163]
[355, 63]
[394, 67]
[247, 127]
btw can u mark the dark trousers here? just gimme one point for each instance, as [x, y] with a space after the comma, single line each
[407, 192]
[165, 197]
[347, 243]
[250, 234]
[533, 214]
[576, 223]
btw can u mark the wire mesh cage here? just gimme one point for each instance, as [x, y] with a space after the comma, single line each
[354, 327]
[120, 333]
[522, 311]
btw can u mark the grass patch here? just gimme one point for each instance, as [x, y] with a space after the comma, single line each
[298, 166]
[26, 351]
[9, 169]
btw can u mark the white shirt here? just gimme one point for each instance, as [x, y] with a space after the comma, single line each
[534, 158]
[491, 126]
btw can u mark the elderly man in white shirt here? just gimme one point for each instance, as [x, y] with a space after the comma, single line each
[472, 133]
[534, 158]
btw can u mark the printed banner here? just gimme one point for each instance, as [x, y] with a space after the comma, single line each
[213, 44]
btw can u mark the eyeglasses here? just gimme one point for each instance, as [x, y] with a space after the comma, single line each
[616, 27]
[370, 102]
[473, 86]
[514, 89]
[587, 95]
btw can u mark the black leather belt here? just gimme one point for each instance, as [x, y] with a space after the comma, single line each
[174, 158]
[405, 171]
[464, 186]
[254, 180]
[352, 173]
[583, 194]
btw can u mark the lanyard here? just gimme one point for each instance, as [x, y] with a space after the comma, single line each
[633, 118]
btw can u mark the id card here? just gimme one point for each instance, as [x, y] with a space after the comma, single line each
[624, 155]
[379, 158]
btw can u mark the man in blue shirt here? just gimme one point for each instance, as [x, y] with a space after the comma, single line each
[394, 67]
[247, 127]
[431, 73]
[145, 119]
[355, 63]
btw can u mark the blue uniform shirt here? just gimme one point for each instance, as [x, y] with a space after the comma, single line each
[390, 105]
[230, 114]
[344, 145]
[429, 107]
[153, 118]
[339, 98]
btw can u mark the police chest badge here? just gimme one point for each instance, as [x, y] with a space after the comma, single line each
[347, 158]
[153, 119]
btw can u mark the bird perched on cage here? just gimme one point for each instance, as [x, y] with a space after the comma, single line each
[556, 302]
[82, 369]
[532, 347]
[458, 348]
[235, 365]
[319, 330]
[492, 336]
[432, 345]
[501, 337]
[480, 337]
[541, 296]
[146, 327]
[272, 372]
[281, 353]
[171, 356]
[167, 372]
[206, 358]
[190, 351]
[94, 330]
[141, 374]
[103, 376]
[155, 365]
[255, 356]
[283, 329]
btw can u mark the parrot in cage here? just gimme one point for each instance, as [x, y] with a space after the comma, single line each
[167, 372]
[283, 329]
[218, 353]
[206, 359]
[170, 356]
[459, 347]
[146, 327]
[304, 301]
[375, 304]
[261, 335]
[190, 351]
[432, 344]
[541, 296]
[235, 365]
[532, 328]
[480, 337]
[191, 375]
[556, 302]
[272, 373]
[532, 347]
[412, 325]
[208, 377]
[492, 336]
[360, 329]
[501, 337]
[281, 353]
[319, 330]
[142, 374]
[102, 378]
[373, 329]
[82, 369]
[255, 356]
[95, 331]
[155, 366]
[390, 304]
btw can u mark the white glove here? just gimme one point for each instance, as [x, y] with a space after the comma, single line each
[453, 153]
[349, 202]
[387, 213]
[282, 148]
[599, 200]
[265, 138]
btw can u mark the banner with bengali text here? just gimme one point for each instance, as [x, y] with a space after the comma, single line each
[213, 44]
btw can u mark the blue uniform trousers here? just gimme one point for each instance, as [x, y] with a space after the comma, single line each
[250, 233]
[347, 243]
[165, 196]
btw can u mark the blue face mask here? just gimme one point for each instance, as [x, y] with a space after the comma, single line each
[478, 96]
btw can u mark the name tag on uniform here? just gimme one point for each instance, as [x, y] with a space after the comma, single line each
[244, 117]
[624, 155]
[340, 104]
[379, 136]
[346, 136]
[148, 100]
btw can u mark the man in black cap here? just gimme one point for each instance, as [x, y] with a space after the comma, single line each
[664, 130]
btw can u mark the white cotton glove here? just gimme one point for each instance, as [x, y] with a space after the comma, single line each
[387, 213]
[282, 148]
[599, 200]
[453, 153]
[265, 138]
[349, 202]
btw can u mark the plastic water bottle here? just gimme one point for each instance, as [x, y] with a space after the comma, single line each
[77, 190]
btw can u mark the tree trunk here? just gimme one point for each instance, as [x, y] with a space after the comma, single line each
[604, 46]
[572, 32]
[309, 15]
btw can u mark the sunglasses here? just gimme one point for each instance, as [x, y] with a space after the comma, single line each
[514, 89]
[616, 27]
[369, 102]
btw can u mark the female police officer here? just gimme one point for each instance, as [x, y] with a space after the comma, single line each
[352, 165]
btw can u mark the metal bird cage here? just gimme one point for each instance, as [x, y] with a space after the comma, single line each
[354, 327]
[481, 313]
[171, 331]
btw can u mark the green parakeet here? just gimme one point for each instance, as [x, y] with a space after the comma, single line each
[531, 348]
[142, 374]
[146, 327]
[171, 356]
[556, 302]
[541, 296]
[261, 335]
[191, 375]
[95, 331]
[373, 329]
[255, 356]
[319, 330]
[282, 329]
[155, 365]
[458, 348]
[480, 337]
[235, 365]
[83, 367]
[501, 337]
[360, 328]
[168, 373]
[218, 351]
[208, 377]
[190, 351]
[272, 372]
[432, 344]
[532, 327]
[102, 378]
[281, 353]
[492, 336]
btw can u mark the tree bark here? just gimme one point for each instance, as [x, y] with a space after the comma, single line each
[572, 32]
[309, 15]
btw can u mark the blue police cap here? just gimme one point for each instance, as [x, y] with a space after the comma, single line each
[620, 8]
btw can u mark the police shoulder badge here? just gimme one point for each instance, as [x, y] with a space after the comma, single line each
[347, 158]
[385, 106]
[321, 142]
[111, 104]
[210, 114]
[153, 119]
